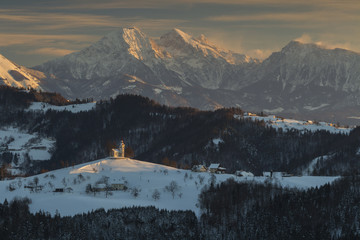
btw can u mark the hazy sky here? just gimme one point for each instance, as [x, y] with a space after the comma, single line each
[33, 31]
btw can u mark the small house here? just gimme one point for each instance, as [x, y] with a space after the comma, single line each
[118, 186]
[101, 187]
[59, 190]
[242, 173]
[276, 174]
[198, 168]
[215, 168]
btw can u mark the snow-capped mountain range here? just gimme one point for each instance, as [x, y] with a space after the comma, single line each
[176, 69]
[305, 81]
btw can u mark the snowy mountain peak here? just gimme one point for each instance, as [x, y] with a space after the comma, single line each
[176, 39]
[131, 40]
[184, 36]
[179, 43]
[203, 39]
[14, 75]
[296, 46]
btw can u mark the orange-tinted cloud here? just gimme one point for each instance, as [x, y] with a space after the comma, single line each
[16, 39]
[50, 52]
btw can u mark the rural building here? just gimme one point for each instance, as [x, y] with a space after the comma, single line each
[242, 173]
[272, 174]
[118, 186]
[101, 187]
[119, 152]
[198, 168]
[215, 168]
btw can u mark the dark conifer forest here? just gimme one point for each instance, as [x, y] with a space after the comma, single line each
[255, 211]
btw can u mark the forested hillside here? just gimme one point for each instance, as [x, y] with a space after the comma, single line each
[255, 211]
[16, 222]
[181, 137]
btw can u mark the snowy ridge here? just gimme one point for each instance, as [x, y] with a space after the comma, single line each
[17, 76]
[179, 43]
[74, 108]
[303, 64]
[144, 177]
[288, 124]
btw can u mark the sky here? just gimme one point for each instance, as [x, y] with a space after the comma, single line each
[35, 31]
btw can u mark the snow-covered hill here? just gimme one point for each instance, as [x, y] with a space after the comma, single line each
[142, 180]
[14, 75]
[24, 147]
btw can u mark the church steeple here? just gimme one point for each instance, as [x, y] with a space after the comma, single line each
[122, 146]
[119, 152]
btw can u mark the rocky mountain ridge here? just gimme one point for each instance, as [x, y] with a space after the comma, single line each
[306, 81]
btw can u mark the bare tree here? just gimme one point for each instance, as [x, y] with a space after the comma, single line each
[201, 179]
[156, 195]
[135, 192]
[173, 188]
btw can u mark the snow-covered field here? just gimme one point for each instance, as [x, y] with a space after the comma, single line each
[18, 142]
[74, 108]
[287, 124]
[136, 175]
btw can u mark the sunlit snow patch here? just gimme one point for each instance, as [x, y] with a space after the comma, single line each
[288, 124]
[74, 108]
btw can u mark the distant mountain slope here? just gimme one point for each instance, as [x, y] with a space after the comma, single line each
[308, 80]
[14, 75]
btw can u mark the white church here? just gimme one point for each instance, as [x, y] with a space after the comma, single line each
[119, 152]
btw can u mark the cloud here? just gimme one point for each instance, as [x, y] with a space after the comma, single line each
[305, 38]
[313, 16]
[50, 52]
[8, 39]
[62, 21]
[260, 53]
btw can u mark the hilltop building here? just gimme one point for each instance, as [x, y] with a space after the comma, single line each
[119, 152]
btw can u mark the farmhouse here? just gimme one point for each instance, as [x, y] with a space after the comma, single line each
[59, 190]
[242, 173]
[118, 186]
[100, 187]
[215, 168]
[198, 168]
[272, 174]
